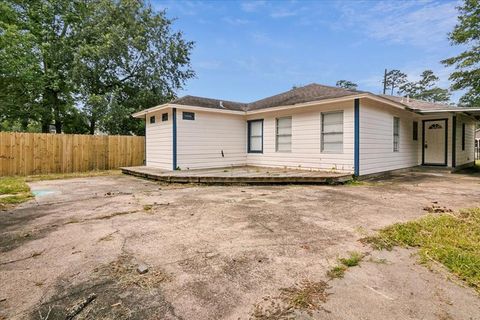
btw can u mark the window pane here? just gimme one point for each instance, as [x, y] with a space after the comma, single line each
[284, 139]
[396, 133]
[284, 134]
[333, 137]
[256, 128]
[334, 117]
[332, 132]
[284, 122]
[332, 127]
[256, 144]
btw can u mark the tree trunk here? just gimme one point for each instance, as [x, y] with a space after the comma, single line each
[92, 126]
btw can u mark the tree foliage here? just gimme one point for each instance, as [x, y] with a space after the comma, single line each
[87, 65]
[394, 79]
[349, 85]
[467, 64]
[425, 89]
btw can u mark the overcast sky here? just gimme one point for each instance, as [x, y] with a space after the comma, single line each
[247, 50]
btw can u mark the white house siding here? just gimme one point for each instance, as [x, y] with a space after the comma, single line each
[376, 138]
[449, 135]
[200, 142]
[159, 141]
[467, 155]
[306, 134]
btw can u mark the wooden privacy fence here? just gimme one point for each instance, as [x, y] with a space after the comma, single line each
[40, 153]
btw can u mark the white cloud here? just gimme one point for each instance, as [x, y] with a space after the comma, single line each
[236, 21]
[252, 6]
[264, 39]
[423, 24]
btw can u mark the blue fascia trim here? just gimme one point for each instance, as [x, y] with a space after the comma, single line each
[356, 156]
[174, 133]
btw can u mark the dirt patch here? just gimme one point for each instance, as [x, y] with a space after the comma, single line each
[120, 293]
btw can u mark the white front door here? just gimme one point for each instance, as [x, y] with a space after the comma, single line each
[435, 142]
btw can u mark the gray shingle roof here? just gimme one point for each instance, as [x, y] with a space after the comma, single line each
[308, 93]
[419, 105]
[210, 103]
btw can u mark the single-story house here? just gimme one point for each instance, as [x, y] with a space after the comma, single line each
[313, 127]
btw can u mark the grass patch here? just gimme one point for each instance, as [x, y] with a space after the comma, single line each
[450, 239]
[57, 176]
[358, 183]
[13, 190]
[339, 270]
[353, 260]
[306, 296]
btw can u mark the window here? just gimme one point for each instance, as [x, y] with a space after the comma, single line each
[164, 116]
[152, 119]
[284, 134]
[463, 136]
[255, 136]
[332, 132]
[396, 134]
[188, 116]
[415, 130]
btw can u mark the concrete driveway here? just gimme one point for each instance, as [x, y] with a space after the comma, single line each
[223, 252]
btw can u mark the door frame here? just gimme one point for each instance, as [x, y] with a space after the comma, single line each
[446, 143]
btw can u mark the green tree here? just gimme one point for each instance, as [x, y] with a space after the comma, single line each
[425, 89]
[467, 64]
[126, 64]
[108, 58]
[37, 52]
[345, 84]
[394, 79]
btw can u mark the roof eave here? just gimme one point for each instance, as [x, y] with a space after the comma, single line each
[143, 113]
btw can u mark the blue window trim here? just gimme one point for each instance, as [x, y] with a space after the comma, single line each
[174, 133]
[356, 157]
[249, 122]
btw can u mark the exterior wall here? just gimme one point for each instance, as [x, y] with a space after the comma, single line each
[467, 155]
[376, 138]
[449, 135]
[158, 141]
[306, 135]
[200, 142]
